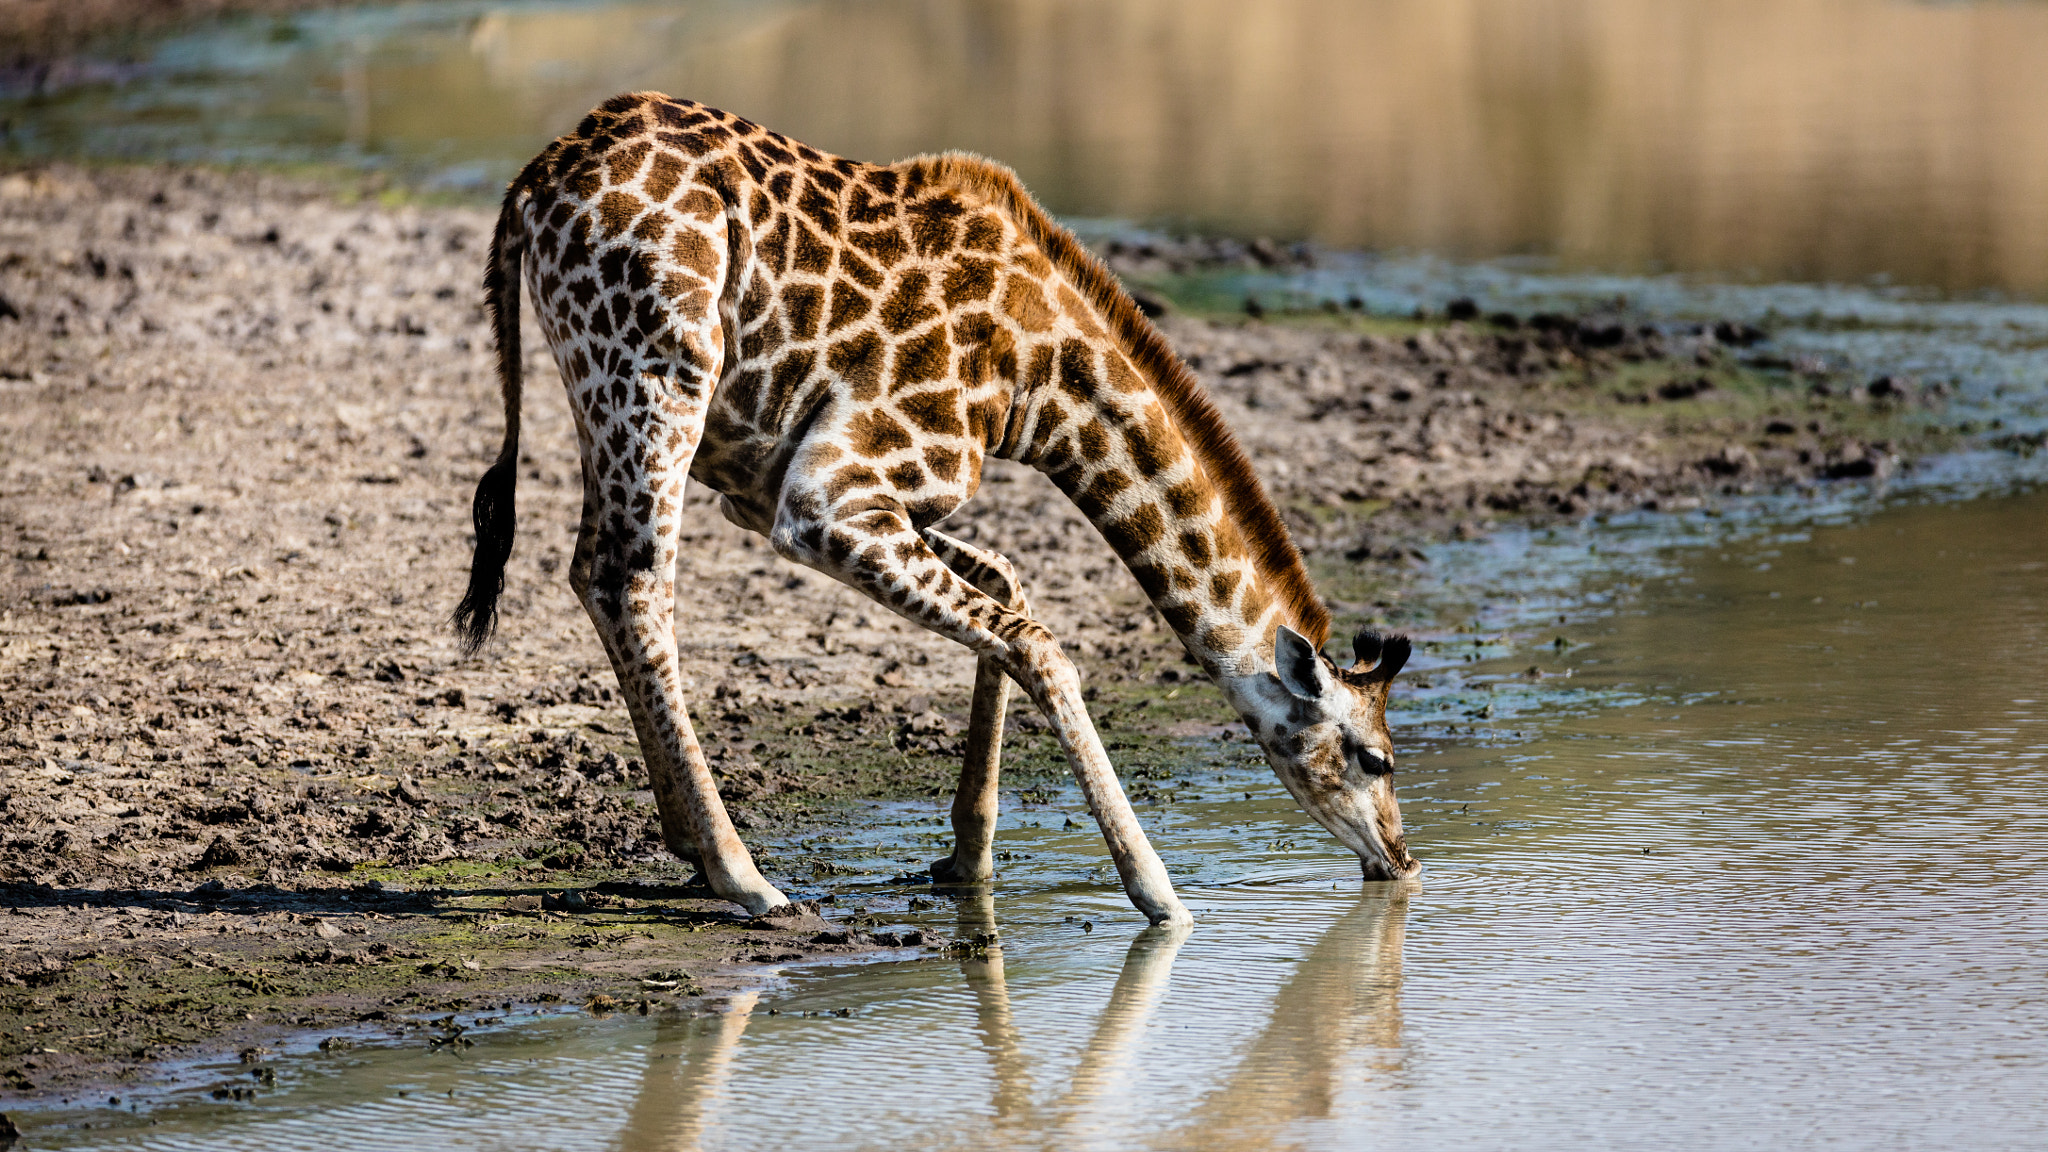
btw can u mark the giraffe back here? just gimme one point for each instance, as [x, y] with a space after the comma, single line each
[879, 329]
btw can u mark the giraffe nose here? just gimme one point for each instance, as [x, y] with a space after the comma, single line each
[1393, 839]
[1399, 865]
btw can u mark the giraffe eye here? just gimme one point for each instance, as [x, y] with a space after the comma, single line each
[1366, 758]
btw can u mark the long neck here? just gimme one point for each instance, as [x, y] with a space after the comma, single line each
[1103, 437]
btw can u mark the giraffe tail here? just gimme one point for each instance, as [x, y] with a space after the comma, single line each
[476, 617]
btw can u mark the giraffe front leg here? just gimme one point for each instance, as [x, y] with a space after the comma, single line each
[877, 551]
[975, 803]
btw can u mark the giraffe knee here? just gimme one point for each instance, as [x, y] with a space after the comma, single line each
[999, 579]
[989, 572]
[1032, 654]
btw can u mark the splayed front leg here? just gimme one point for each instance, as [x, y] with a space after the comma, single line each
[877, 551]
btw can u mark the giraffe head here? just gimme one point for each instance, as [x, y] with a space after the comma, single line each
[1324, 730]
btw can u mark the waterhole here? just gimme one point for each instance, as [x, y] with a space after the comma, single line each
[1817, 140]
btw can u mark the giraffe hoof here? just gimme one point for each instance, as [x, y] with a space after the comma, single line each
[947, 870]
[1174, 918]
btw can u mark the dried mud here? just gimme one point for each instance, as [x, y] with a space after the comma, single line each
[248, 783]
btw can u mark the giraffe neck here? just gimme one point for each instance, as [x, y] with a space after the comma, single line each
[1116, 453]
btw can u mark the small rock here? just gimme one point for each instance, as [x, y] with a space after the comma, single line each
[1684, 389]
[1732, 460]
[802, 916]
[1739, 335]
[928, 724]
[1853, 461]
[326, 930]
[222, 853]
[571, 900]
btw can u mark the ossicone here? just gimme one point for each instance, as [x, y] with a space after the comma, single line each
[1379, 657]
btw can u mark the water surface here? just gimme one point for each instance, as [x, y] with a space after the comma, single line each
[1811, 140]
[1764, 870]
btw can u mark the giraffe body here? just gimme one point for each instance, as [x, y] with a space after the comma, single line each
[836, 348]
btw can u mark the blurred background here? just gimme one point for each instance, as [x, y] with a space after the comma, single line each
[1848, 141]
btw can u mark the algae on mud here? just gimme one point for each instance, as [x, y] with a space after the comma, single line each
[246, 418]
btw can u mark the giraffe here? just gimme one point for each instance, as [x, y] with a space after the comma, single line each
[835, 348]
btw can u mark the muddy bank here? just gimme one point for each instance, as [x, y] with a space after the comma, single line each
[243, 420]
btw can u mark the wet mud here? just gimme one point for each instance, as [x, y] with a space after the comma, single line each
[249, 785]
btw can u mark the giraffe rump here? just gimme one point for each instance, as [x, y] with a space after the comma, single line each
[493, 511]
[1215, 447]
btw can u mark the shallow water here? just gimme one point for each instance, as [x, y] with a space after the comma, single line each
[1813, 140]
[1765, 869]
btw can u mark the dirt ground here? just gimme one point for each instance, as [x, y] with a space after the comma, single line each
[248, 783]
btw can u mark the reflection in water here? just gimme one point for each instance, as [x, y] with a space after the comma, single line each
[1789, 139]
[1343, 1001]
[688, 1066]
[1119, 1031]
[1008, 1063]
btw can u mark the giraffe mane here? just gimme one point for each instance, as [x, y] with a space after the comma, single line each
[1216, 449]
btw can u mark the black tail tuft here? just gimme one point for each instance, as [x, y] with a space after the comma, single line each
[477, 616]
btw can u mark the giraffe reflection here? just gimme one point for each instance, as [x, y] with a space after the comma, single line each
[1148, 965]
[998, 1028]
[1343, 998]
[1336, 1024]
[1338, 1017]
[688, 1066]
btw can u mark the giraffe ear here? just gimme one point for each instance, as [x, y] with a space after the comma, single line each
[1299, 665]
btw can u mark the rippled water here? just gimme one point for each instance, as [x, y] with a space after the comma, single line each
[1818, 140]
[1766, 869]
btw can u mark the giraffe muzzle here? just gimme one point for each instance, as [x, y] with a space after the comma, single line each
[1389, 859]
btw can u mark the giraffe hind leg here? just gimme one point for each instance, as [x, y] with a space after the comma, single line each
[624, 573]
[975, 803]
[676, 831]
